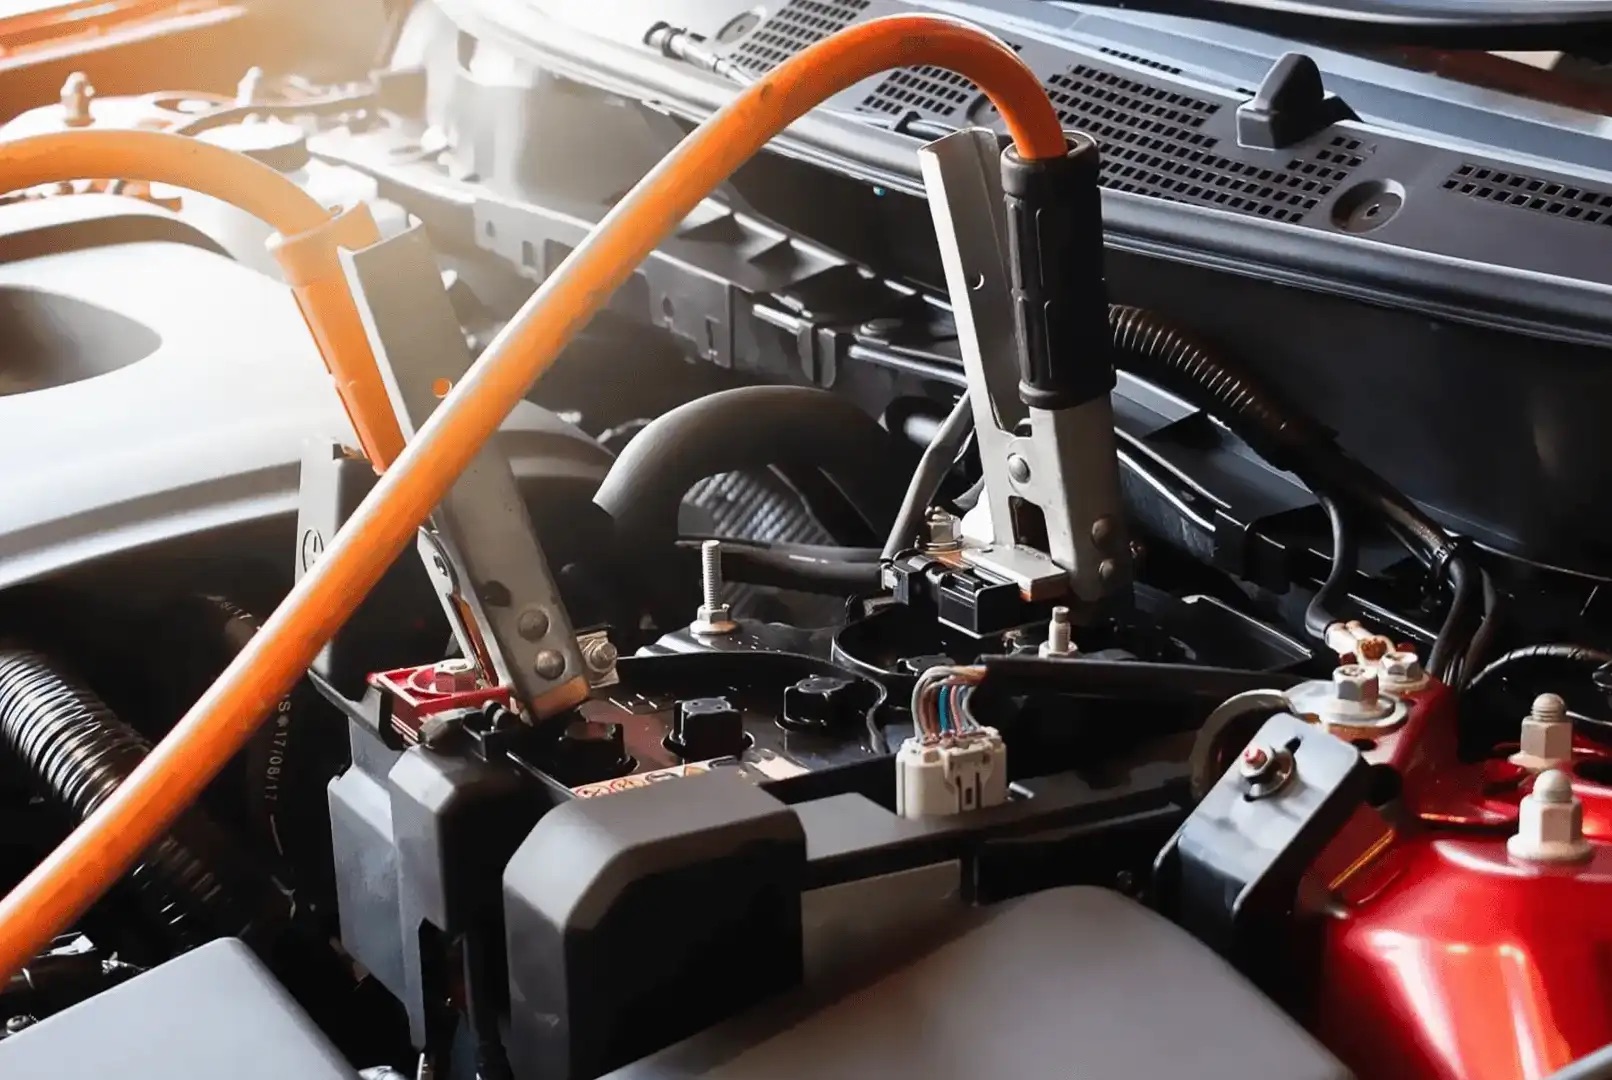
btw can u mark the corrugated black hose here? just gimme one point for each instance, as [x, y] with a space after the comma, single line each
[75, 752]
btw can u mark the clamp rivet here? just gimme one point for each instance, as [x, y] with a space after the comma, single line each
[549, 664]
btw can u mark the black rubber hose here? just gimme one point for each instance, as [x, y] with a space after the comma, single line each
[1129, 680]
[752, 427]
[76, 752]
[936, 462]
[1554, 652]
[1322, 611]
[808, 568]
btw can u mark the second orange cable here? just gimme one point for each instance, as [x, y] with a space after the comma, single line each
[108, 843]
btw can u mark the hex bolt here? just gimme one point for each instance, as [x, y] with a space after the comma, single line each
[549, 664]
[600, 654]
[76, 96]
[713, 616]
[1060, 639]
[1546, 740]
[940, 531]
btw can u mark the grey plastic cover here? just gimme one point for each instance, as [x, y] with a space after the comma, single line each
[1076, 983]
[212, 1013]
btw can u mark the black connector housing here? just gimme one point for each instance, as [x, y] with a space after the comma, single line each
[1060, 302]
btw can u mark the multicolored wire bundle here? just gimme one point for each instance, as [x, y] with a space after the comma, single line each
[940, 703]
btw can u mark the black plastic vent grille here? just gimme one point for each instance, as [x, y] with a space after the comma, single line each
[1156, 65]
[1532, 193]
[798, 24]
[1152, 145]
[933, 91]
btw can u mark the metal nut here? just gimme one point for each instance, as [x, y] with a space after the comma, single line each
[454, 677]
[941, 531]
[1355, 684]
[1546, 740]
[600, 654]
[1550, 822]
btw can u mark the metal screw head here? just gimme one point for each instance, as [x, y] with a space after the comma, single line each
[532, 624]
[15, 1024]
[1355, 684]
[549, 664]
[1018, 469]
[454, 676]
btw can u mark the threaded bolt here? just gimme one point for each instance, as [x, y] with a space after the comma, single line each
[1060, 634]
[1548, 709]
[76, 95]
[711, 573]
[713, 616]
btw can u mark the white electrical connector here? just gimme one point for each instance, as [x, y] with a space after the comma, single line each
[952, 774]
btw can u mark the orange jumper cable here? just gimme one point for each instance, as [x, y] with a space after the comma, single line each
[108, 843]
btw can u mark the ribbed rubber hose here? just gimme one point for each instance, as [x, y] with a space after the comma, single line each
[750, 427]
[75, 752]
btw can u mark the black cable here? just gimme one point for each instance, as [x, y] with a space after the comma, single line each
[927, 479]
[1322, 610]
[808, 568]
[1559, 652]
[1129, 679]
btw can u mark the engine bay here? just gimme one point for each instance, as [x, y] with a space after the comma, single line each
[842, 538]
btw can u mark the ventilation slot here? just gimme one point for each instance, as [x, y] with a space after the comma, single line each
[1152, 145]
[1156, 65]
[801, 23]
[1532, 193]
[933, 91]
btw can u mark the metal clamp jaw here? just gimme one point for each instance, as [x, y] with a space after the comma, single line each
[479, 546]
[1022, 247]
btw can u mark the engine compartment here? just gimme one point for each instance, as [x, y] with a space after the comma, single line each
[961, 615]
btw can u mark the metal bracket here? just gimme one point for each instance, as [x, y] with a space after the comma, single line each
[480, 548]
[1060, 462]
